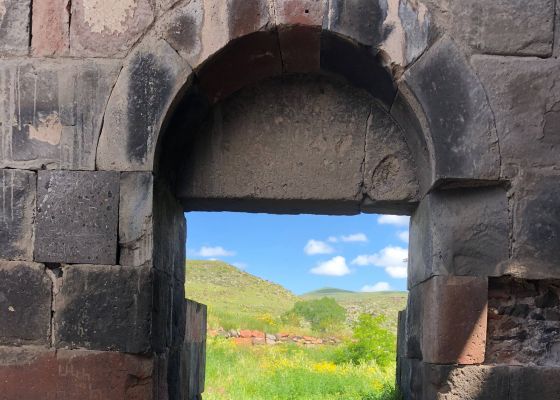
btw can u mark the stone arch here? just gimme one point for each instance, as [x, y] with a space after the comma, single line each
[203, 53]
[422, 80]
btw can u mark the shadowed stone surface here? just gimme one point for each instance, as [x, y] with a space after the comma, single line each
[459, 232]
[25, 304]
[36, 373]
[525, 98]
[102, 307]
[135, 218]
[148, 83]
[14, 27]
[51, 112]
[77, 216]
[460, 119]
[17, 211]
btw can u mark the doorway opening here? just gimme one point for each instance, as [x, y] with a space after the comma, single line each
[299, 306]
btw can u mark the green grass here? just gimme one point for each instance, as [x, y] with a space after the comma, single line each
[289, 372]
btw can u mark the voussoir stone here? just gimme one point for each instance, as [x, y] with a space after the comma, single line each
[17, 210]
[460, 119]
[459, 232]
[102, 28]
[25, 303]
[77, 216]
[151, 78]
[14, 27]
[102, 307]
[51, 112]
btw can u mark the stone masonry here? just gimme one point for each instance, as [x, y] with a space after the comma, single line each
[116, 117]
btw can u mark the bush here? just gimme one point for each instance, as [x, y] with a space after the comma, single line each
[371, 342]
[322, 314]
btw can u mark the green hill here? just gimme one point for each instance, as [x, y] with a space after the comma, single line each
[237, 299]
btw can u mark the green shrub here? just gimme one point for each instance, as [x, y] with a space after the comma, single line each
[370, 342]
[322, 314]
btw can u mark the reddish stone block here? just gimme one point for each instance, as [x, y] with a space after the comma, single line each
[454, 319]
[50, 28]
[106, 29]
[243, 341]
[33, 373]
[300, 12]
[301, 48]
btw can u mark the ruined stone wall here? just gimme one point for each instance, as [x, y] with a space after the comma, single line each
[450, 112]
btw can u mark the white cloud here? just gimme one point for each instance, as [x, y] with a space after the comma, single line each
[334, 267]
[355, 237]
[213, 252]
[397, 272]
[392, 258]
[332, 239]
[397, 220]
[240, 265]
[403, 236]
[378, 287]
[317, 247]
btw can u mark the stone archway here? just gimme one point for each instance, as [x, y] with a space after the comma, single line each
[93, 244]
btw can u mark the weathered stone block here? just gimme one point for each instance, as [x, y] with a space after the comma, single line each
[104, 29]
[401, 27]
[454, 319]
[17, 210]
[534, 383]
[299, 33]
[35, 373]
[389, 174]
[509, 27]
[51, 28]
[200, 28]
[148, 83]
[77, 216]
[459, 232]
[289, 144]
[51, 112]
[536, 225]
[525, 97]
[135, 218]
[104, 308]
[459, 118]
[14, 27]
[25, 304]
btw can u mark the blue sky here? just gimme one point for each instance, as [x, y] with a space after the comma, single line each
[306, 252]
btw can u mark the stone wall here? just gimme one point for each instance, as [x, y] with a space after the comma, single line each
[446, 110]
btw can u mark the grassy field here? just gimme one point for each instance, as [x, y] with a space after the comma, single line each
[238, 300]
[289, 372]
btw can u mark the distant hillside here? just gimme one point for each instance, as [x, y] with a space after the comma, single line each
[356, 303]
[235, 298]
